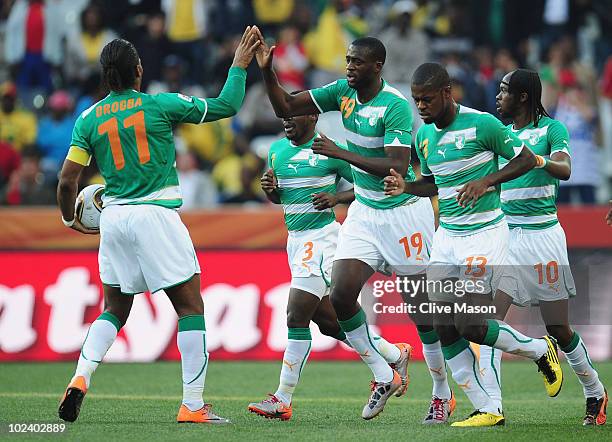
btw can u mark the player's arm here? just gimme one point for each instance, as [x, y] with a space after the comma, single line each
[397, 158]
[519, 165]
[559, 165]
[179, 108]
[396, 185]
[284, 104]
[67, 190]
[501, 141]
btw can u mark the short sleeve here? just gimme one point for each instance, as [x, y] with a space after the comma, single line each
[79, 135]
[422, 149]
[499, 138]
[181, 108]
[398, 124]
[326, 97]
[558, 138]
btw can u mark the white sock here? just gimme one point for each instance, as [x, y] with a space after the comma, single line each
[437, 369]
[389, 351]
[464, 367]
[294, 359]
[191, 340]
[505, 338]
[358, 334]
[578, 358]
[490, 367]
[100, 337]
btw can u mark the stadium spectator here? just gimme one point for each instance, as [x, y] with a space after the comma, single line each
[327, 43]
[153, 46]
[256, 116]
[83, 51]
[209, 142]
[55, 132]
[28, 186]
[576, 112]
[174, 79]
[407, 47]
[228, 175]
[270, 14]
[290, 59]
[9, 164]
[92, 91]
[197, 187]
[33, 45]
[563, 63]
[187, 26]
[248, 193]
[17, 126]
[230, 17]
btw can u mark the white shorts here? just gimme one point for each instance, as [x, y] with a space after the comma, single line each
[311, 254]
[538, 267]
[144, 247]
[397, 239]
[475, 260]
[314, 285]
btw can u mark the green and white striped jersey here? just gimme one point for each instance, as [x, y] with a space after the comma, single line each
[465, 151]
[300, 174]
[130, 135]
[529, 201]
[385, 120]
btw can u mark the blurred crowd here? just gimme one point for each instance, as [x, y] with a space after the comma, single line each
[50, 73]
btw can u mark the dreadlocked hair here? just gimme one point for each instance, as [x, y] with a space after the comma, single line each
[119, 59]
[528, 81]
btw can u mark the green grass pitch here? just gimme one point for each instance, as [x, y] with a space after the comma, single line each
[140, 401]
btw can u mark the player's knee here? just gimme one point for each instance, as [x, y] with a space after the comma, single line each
[562, 333]
[296, 319]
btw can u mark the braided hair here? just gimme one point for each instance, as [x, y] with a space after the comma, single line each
[119, 59]
[528, 81]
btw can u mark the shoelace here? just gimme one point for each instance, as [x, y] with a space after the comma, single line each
[545, 368]
[439, 412]
[271, 400]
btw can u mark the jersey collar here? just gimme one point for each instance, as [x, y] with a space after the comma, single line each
[306, 144]
[123, 92]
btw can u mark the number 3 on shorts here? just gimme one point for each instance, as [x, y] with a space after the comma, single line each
[476, 266]
[307, 253]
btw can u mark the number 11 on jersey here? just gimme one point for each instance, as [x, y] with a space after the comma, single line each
[111, 128]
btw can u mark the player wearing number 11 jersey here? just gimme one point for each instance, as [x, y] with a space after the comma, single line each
[143, 243]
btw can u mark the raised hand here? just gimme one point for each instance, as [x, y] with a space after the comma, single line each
[264, 54]
[268, 181]
[247, 47]
[394, 183]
